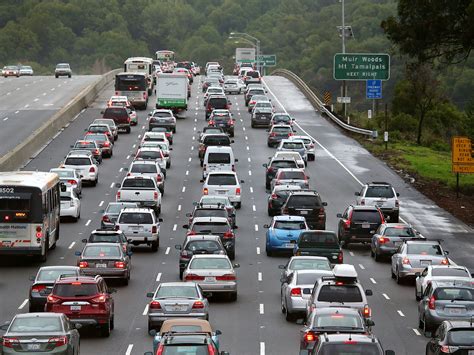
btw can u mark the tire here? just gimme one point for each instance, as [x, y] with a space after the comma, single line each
[238, 205]
[270, 212]
[269, 253]
[55, 76]
[105, 330]
[112, 323]
[288, 316]
[128, 129]
[43, 258]
[125, 282]
[69, 76]
[398, 278]
[372, 254]
[233, 297]
[181, 274]
[94, 183]
[252, 125]
[416, 295]
[391, 272]
[154, 246]
[150, 327]
[201, 163]
[378, 257]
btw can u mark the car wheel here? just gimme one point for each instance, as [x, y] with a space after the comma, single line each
[105, 331]
[238, 205]
[128, 129]
[288, 315]
[372, 254]
[69, 76]
[269, 252]
[417, 295]
[231, 254]
[150, 326]
[181, 274]
[55, 76]
[112, 323]
[125, 282]
[398, 278]
[391, 271]
[154, 246]
[94, 183]
[377, 257]
[270, 212]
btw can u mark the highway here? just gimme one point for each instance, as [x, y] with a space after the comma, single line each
[27, 102]
[253, 324]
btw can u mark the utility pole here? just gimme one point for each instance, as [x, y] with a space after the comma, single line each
[343, 33]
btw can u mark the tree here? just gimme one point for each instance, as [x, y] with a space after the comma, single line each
[436, 29]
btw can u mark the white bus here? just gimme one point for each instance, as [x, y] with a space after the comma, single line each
[29, 213]
[167, 60]
[134, 86]
[141, 65]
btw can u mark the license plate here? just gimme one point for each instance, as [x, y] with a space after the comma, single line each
[366, 225]
[34, 346]
[75, 308]
[210, 279]
[178, 308]
[289, 245]
[100, 265]
[6, 243]
[303, 212]
[455, 311]
[425, 262]
[220, 192]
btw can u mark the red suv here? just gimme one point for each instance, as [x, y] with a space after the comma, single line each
[85, 300]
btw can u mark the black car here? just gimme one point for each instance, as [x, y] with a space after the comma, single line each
[261, 117]
[224, 122]
[278, 197]
[43, 283]
[358, 223]
[278, 132]
[195, 245]
[349, 343]
[309, 205]
[319, 243]
[217, 102]
[162, 118]
[212, 140]
[211, 211]
[120, 115]
[273, 166]
[457, 336]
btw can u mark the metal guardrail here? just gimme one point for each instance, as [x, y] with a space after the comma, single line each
[318, 104]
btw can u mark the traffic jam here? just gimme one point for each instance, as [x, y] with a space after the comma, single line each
[320, 291]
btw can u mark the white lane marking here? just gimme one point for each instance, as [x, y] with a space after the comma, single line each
[187, 172]
[262, 348]
[128, 156]
[246, 138]
[193, 138]
[259, 277]
[167, 250]
[250, 172]
[101, 203]
[53, 89]
[174, 227]
[139, 136]
[362, 266]
[243, 128]
[71, 245]
[6, 118]
[248, 148]
[192, 148]
[194, 128]
[88, 222]
[133, 146]
[158, 277]
[190, 159]
[17, 111]
[36, 100]
[179, 207]
[44, 94]
[254, 208]
[262, 308]
[251, 189]
[400, 313]
[23, 304]
[143, 127]
[386, 296]
[351, 253]
[184, 189]
[145, 311]
[416, 331]
[129, 349]
[9, 93]
[17, 89]
[256, 228]
[27, 105]
[121, 169]
[112, 185]
[249, 159]
[373, 280]
[258, 250]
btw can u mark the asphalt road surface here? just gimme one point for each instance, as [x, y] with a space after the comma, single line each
[254, 323]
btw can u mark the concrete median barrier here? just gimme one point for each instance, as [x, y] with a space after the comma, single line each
[23, 152]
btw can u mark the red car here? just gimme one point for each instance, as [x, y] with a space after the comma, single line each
[84, 300]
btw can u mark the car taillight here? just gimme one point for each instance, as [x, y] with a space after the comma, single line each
[397, 203]
[270, 169]
[158, 178]
[92, 169]
[154, 305]
[228, 235]
[340, 257]
[273, 134]
[119, 265]
[311, 145]
[83, 264]
[191, 233]
[445, 262]
[10, 342]
[154, 229]
[58, 341]
[198, 305]
[231, 122]
[211, 123]
[52, 299]
[237, 191]
[105, 219]
[273, 196]
[96, 152]
[155, 195]
[99, 299]
[106, 144]
[205, 191]
[37, 288]
[367, 312]
[290, 134]
[118, 195]
[72, 182]
[347, 224]
[39, 232]
[432, 302]
[310, 336]
[295, 292]
[226, 277]
[406, 261]
[193, 277]
[383, 240]
[186, 255]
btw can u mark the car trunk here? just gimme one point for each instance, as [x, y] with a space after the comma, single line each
[30, 343]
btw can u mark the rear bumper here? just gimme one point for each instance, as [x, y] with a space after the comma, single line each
[382, 249]
[105, 272]
[68, 212]
[135, 240]
[219, 287]
[20, 251]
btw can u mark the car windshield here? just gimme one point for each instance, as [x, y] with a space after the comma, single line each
[35, 324]
[149, 154]
[203, 245]
[210, 263]
[453, 294]
[117, 207]
[218, 102]
[136, 218]
[424, 249]
[162, 114]
[281, 118]
[289, 225]
[214, 200]
[75, 289]
[139, 183]
[337, 320]
[309, 264]
[304, 201]
[85, 144]
[399, 232]
[177, 292]
[351, 348]
[339, 293]
[379, 191]
[221, 179]
[77, 161]
[257, 92]
[218, 158]
[366, 216]
[96, 137]
[292, 175]
[307, 279]
[461, 337]
[210, 227]
[53, 274]
[144, 168]
[98, 129]
[104, 238]
[293, 145]
[320, 239]
[447, 271]
[93, 251]
[65, 198]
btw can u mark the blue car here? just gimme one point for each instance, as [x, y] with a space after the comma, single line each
[283, 232]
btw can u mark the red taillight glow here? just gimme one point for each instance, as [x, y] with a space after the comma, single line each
[99, 299]
[52, 299]
[92, 169]
[310, 336]
[432, 302]
[158, 178]
[226, 277]
[72, 182]
[193, 277]
[119, 265]
[83, 264]
[38, 288]
[10, 342]
[105, 219]
[155, 195]
[383, 240]
[118, 195]
[198, 305]
[237, 191]
[367, 311]
[106, 144]
[154, 229]
[205, 191]
[228, 235]
[444, 262]
[406, 261]
[295, 292]
[340, 257]
[39, 231]
[58, 341]
[155, 305]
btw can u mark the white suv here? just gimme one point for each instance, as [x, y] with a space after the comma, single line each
[140, 226]
[381, 195]
[85, 166]
[225, 183]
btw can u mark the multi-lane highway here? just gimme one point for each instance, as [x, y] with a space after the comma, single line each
[27, 102]
[254, 324]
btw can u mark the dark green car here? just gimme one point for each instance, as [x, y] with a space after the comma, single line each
[319, 243]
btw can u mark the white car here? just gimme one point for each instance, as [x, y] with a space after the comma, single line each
[140, 226]
[212, 90]
[291, 155]
[85, 165]
[70, 178]
[225, 184]
[382, 195]
[234, 86]
[152, 154]
[155, 137]
[70, 204]
[148, 168]
[26, 70]
[309, 144]
[440, 273]
[293, 145]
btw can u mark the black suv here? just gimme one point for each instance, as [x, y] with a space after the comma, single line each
[358, 223]
[329, 344]
[309, 205]
[120, 115]
[224, 122]
[211, 211]
[273, 165]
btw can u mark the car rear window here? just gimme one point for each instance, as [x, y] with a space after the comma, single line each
[144, 168]
[112, 112]
[311, 239]
[77, 161]
[149, 154]
[218, 158]
[173, 349]
[424, 249]
[263, 105]
[162, 114]
[75, 289]
[210, 263]
[104, 238]
[117, 207]
[217, 102]
[289, 225]
[310, 264]
[340, 293]
[399, 232]
[53, 274]
[65, 198]
[101, 251]
[281, 118]
[338, 320]
[216, 140]
[307, 279]
[293, 145]
[292, 175]
[281, 129]
[210, 227]
[454, 294]
[96, 137]
[203, 245]
[139, 183]
[284, 164]
[36, 324]
[304, 201]
[63, 173]
[447, 271]
[366, 216]
[221, 179]
[351, 348]
[136, 218]
[177, 291]
[256, 92]
[461, 337]
[379, 191]
[85, 144]
[253, 74]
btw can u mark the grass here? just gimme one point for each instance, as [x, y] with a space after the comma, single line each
[422, 161]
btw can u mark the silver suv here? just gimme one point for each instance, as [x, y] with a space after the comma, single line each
[381, 195]
[140, 226]
[62, 69]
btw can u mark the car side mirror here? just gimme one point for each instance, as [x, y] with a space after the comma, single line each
[218, 332]
[202, 180]
[236, 266]
[186, 226]
[266, 226]
[236, 160]
[150, 294]
[265, 165]
[232, 141]
[77, 253]
[357, 193]
[236, 227]
[149, 114]
[283, 279]
[160, 219]
[171, 148]
[281, 267]
[117, 185]
[152, 332]
[178, 247]
[130, 253]
[339, 215]
[307, 177]
[101, 211]
[389, 352]
[325, 203]
[4, 326]
[398, 194]
[84, 240]
[71, 146]
[368, 292]
[242, 181]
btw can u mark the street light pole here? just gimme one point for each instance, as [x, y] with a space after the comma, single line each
[246, 36]
[343, 32]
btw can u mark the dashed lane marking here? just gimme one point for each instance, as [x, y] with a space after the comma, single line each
[256, 228]
[23, 304]
[258, 250]
[88, 222]
[254, 208]
[101, 203]
[145, 311]
[259, 276]
[262, 308]
[400, 313]
[373, 280]
[71, 245]
[174, 227]
[158, 277]
[167, 250]
[386, 296]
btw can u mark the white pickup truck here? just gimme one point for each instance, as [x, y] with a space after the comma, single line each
[142, 190]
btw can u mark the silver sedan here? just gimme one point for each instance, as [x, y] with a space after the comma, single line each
[305, 263]
[70, 177]
[176, 300]
[214, 273]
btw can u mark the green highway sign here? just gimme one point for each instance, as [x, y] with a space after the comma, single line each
[268, 60]
[361, 66]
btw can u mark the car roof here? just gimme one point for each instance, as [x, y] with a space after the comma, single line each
[281, 125]
[63, 267]
[449, 266]
[107, 231]
[356, 337]
[452, 283]
[287, 187]
[282, 170]
[365, 208]
[344, 270]
[459, 323]
[108, 245]
[141, 161]
[170, 323]
[289, 218]
[38, 315]
[306, 257]
[222, 173]
[77, 154]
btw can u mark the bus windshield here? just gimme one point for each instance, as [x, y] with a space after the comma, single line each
[130, 83]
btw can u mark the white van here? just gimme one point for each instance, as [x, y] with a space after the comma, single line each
[217, 159]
